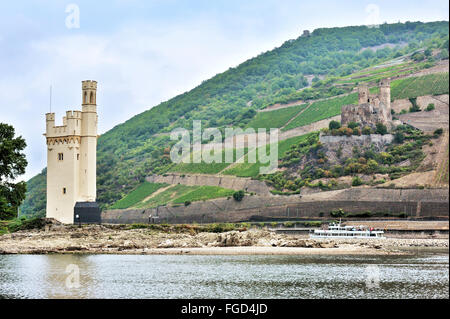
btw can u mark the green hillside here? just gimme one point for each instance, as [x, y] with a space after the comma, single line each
[130, 151]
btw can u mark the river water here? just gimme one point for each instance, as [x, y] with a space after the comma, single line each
[424, 275]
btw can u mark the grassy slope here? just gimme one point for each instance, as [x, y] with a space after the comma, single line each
[144, 190]
[180, 193]
[204, 193]
[204, 168]
[322, 110]
[432, 84]
[252, 169]
[276, 118]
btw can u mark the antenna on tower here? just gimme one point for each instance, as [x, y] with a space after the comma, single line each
[50, 99]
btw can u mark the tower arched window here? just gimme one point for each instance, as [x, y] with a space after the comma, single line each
[92, 98]
[85, 98]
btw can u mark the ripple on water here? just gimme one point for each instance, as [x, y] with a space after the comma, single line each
[175, 276]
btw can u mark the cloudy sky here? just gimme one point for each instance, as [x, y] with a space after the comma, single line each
[145, 52]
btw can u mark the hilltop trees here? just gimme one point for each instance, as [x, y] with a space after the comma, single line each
[12, 165]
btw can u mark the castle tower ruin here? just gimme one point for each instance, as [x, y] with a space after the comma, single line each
[385, 94]
[363, 94]
[71, 158]
[371, 108]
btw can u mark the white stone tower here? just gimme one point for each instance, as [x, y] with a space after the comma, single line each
[72, 157]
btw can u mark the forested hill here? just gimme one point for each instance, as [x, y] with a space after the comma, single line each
[130, 151]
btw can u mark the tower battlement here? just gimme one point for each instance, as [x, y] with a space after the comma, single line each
[71, 157]
[89, 85]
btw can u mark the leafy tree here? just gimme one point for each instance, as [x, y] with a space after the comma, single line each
[366, 130]
[239, 195]
[438, 132]
[356, 181]
[444, 54]
[12, 164]
[381, 129]
[430, 107]
[418, 56]
[334, 125]
[414, 107]
[399, 137]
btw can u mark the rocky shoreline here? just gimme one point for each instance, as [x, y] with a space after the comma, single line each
[104, 239]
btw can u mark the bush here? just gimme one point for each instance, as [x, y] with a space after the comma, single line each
[337, 213]
[366, 130]
[381, 129]
[438, 132]
[399, 137]
[334, 125]
[187, 203]
[239, 195]
[356, 131]
[356, 181]
[430, 107]
[418, 56]
[352, 125]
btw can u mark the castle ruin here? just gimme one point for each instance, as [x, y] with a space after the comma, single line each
[371, 108]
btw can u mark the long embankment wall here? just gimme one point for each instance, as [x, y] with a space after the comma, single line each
[415, 203]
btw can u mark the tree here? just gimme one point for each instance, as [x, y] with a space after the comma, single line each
[366, 130]
[430, 107]
[418, 56]
[356, 181]
[12, 165]
[239, 195]
[399, 137]
[334, 125]
[381, 129]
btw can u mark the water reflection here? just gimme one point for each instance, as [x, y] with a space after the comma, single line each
[128, 276]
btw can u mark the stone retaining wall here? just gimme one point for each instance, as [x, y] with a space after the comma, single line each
[415, 203]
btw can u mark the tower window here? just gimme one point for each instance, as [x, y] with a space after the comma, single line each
[60, 156]
[64, 190]
[92, 98]
[78, 156]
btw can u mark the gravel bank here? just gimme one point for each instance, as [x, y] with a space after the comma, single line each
[101, 239]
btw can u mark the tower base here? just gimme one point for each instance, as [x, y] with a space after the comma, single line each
[87, 213]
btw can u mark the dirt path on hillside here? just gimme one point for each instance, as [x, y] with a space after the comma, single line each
[159, 191]
[294, 117]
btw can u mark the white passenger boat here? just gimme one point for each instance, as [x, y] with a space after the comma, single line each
[338, 231]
